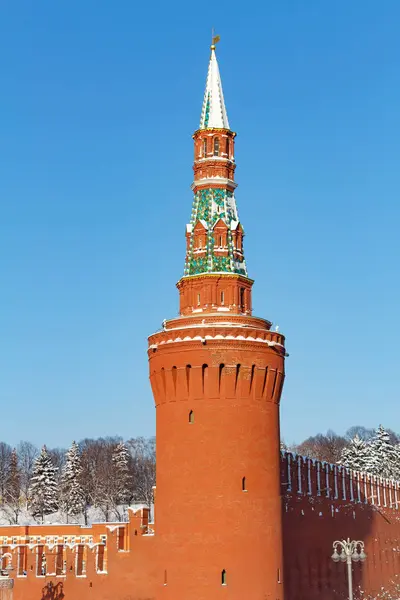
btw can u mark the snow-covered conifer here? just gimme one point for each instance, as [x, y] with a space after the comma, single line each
[122, 476]
[43, 492]
[396, 473]
[71, 492]
[355, 455]
[382, 456]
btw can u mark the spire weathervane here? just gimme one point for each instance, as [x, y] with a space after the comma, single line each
[214, 39]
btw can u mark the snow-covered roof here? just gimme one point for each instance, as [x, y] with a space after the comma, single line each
[213, 114]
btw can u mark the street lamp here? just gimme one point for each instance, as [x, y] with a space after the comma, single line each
[349, 551]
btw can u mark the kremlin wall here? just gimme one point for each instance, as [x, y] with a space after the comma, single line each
[235, 518]
[320, 503]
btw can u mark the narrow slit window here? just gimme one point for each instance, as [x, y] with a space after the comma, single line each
[244, 488]
[165, 577]
[204, 148]
[223, 577]
[227, 147]
[242, 297]
[220, 241]
[191, 417]
[279, 576]
[198, 299]
[216, 146]
[222, 298]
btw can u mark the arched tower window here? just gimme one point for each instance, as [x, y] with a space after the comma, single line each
[204, 148]
[223, 577]
[216, 146]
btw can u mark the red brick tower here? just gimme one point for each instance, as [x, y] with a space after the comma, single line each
[217, 375]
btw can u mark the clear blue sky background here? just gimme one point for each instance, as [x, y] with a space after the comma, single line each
[98, 104]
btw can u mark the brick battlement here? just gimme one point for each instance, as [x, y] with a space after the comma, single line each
[305, 476]
[57, 561]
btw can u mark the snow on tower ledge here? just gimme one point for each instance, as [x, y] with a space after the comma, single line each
[213, 114]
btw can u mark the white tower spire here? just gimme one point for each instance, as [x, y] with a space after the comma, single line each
[213, 114]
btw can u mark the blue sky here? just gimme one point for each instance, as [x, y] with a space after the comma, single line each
[98, 104]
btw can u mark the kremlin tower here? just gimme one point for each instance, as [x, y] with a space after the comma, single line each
[217, 374]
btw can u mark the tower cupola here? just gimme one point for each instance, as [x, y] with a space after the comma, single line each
[214, 235]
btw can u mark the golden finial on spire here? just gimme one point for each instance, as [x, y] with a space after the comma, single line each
[214, 39]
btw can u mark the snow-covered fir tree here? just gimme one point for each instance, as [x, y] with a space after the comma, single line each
[122, 476]
[71, 493]
[355, 455]
[43, 491]
[396, 473]
[382, 455]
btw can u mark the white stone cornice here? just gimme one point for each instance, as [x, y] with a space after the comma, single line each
[241, 338]
[222, 158]
[214, 181]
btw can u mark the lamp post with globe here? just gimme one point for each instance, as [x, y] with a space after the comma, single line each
[349, 551]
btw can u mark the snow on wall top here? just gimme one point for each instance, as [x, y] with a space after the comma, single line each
[305, 476]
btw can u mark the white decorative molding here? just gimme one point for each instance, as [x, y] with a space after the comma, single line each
[214, 180]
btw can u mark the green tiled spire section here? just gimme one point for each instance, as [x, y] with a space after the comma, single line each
[209, 206]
